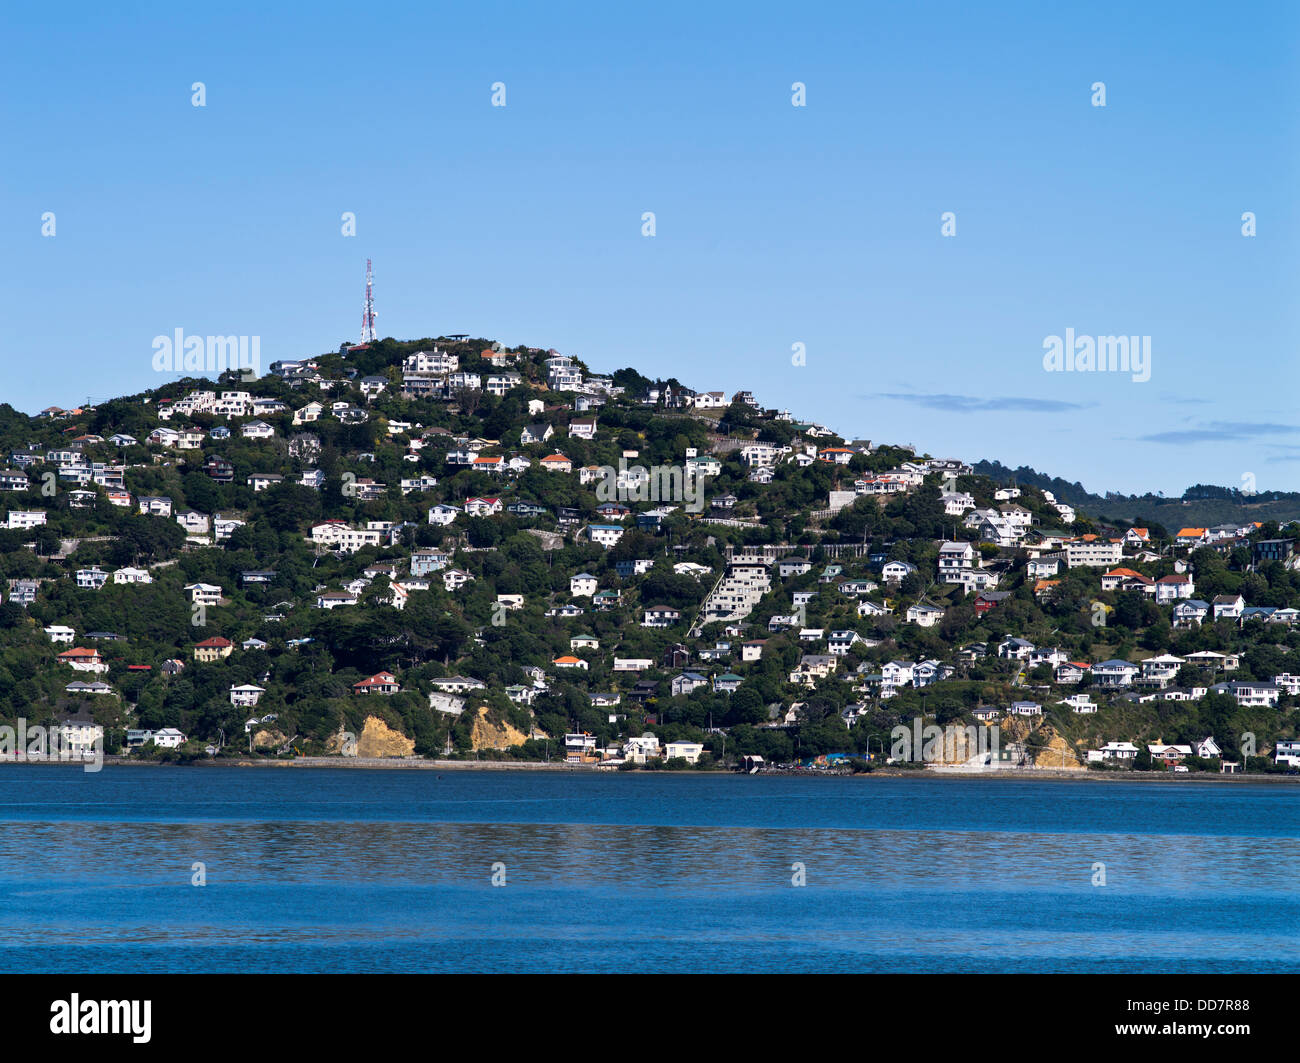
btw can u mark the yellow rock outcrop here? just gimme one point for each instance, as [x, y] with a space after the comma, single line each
[487, 735]
[377, 739]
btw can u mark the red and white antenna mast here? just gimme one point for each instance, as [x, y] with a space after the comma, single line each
[368, 309]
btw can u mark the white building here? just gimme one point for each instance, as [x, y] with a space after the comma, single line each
[23, 518]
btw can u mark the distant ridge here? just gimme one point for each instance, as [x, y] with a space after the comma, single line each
[1201, 505]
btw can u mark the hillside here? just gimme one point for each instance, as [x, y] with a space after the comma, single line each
[448, 548]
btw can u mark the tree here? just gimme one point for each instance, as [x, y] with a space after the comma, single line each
[746, 707]
[288, 506]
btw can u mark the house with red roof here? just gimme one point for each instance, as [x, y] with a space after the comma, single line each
[482, 507]
[213, 649]
[379, 683]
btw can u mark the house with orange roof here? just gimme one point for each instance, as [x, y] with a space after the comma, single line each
[1093, 551]
[83, 660]
[569, 661]
[1190, 536]
[1070, 672]
[1116, 576]
[557, 463]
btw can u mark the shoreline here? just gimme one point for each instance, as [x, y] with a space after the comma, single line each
[420, 764]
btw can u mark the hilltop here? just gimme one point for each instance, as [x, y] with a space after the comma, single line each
[446, 547]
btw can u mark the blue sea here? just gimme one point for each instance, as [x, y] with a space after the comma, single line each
[329, 870]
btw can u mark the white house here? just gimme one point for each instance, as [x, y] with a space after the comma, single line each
[955, 558]
[453, 579]
[132, 575]
[340, 536]
[443, 514]
[924, 615]
[168, 738]
[20, 518]
[1015, 649]
[688, 751]
[1114, 673]
[1092, 551]
[606, 535]
[91, 579]
[1228, 606]
[203, 593]
[257, 430]
[896, 571]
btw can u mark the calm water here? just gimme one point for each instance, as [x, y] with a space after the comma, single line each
[346, 870]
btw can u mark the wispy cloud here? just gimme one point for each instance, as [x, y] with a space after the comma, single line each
[1220, 432]
[970, 404]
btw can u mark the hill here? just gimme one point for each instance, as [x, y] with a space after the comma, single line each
[459, 549]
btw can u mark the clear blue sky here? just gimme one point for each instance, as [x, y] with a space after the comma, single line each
[775, 224]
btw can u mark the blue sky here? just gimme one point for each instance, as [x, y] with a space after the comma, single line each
[775, 224]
